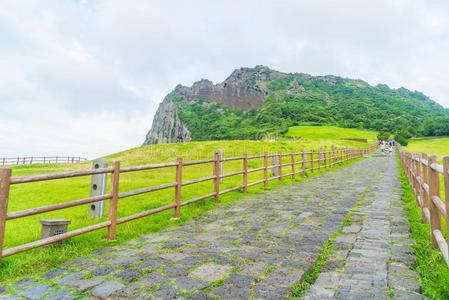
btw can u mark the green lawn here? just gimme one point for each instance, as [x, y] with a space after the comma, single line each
[437, 146]
[31, 195]
[324, 134]
[433, 271]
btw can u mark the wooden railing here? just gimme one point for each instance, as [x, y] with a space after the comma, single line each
[25, 160]
[424, 174]
[309, 161]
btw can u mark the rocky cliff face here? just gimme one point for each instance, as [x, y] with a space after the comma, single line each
[244, 89]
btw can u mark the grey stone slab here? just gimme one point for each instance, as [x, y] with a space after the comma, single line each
[191, 284]
[232, 293]
[129, 275]
[211, 272]
[60, 295]
[283, 277]
[106, 289]
[351, 229]
[35, 292]
[153, 279]
[166, 292]
[85, 284]
[54, 273]
[70, 277]
[105, 270]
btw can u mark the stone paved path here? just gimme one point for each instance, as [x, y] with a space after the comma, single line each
[374, 251]
[258, 247]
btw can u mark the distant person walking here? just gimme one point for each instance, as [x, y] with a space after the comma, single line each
[382, 147]
[390, 150]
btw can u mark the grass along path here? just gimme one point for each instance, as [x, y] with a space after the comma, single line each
[437, 146]
[323, 134]
[431, 266]
[42, 193]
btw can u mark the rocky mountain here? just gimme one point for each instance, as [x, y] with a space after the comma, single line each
[243, 90]
[254, 101]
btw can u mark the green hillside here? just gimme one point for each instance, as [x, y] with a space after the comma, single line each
[41, 193]
[301, 99]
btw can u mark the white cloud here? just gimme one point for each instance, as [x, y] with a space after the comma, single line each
[85, 77]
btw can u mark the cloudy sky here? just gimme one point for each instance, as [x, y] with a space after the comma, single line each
[84, 78]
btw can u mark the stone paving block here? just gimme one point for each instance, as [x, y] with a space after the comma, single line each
[211, 272]
[105, 270]
[153, 279]
[70, 278]
[254, 269]
[106, 289]
[60, 295]
[35, 292]
[85, 284]
[125, 261]
[351, 229]
[175, 256]
[166, 292]
[226, 292]
[132, 291]
[328, 280]
[283, 277]
[404, 283]
[129, 275]
[191, 284]
[53, 273]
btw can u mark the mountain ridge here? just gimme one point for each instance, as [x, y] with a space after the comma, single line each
[250, 92]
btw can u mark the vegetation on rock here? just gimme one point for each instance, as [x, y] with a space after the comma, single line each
[301, 99]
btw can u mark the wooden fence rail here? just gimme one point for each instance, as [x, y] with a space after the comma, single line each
[26, 160]
[424, 172]
[323, 158]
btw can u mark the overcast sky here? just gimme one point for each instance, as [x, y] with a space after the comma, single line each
[84, 78]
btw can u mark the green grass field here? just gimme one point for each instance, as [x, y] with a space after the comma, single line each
[38, 194]
[326, 134]
[437, 146]
[433, 271]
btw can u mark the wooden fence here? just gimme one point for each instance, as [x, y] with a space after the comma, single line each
[24, 160]
[308, 161]
[424, 172]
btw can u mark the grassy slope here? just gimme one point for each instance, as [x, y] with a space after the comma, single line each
[438, 146]
[431, 266]
[38, 194]
[324, 133]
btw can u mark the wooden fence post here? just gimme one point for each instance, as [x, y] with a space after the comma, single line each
[114, 200]
[332, 155]
[280, 166]
[446, 191]
[434, 188]
[325, 158]
[265, 170]
[217, 174]
[245, 172]
[178, 187]
[311, 161]
[425, 200]
[303, 163]
[420, 195]
[5, 179]
[319, 158]
[293, 164]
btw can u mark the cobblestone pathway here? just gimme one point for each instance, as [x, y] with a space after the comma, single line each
[374, 251]
[257, 247]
